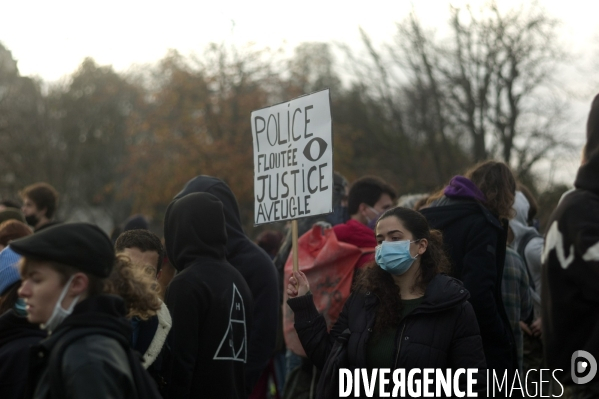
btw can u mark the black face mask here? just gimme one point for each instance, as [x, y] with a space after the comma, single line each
[32, 220]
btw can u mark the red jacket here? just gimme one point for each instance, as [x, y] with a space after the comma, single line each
[355, 233]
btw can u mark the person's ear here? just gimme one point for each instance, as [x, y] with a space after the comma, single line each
[159, 274]
[79, 284]
[362, 207]
[422, 246]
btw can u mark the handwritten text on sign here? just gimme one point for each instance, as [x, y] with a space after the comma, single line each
[293, 159]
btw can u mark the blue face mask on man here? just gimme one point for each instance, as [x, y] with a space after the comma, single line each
[394, 256]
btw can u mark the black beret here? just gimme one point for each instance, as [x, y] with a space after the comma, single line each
[83, 246]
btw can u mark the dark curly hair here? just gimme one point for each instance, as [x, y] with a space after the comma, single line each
[432, 262]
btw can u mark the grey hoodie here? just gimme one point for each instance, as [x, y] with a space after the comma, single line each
[534, 248]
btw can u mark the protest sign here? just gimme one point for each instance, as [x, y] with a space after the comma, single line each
[293, 159]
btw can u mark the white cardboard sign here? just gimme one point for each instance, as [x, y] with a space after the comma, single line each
[293, 159]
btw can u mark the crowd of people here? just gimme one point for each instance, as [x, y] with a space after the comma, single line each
[458, 278]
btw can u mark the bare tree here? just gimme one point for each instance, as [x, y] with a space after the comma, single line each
[489, 88]
[500, 67]
[24, 141]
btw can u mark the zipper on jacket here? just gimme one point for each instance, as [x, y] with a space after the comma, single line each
[399, 345]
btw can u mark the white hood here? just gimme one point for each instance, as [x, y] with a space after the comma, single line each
[164, 326]
[519, 224]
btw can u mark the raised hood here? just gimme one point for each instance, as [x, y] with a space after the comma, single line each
[194, 227]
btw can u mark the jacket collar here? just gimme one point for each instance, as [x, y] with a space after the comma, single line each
[101, 311]
[442, 292]
[13, 326]
[164, 326]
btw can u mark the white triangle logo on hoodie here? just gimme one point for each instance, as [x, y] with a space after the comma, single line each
[233, 346]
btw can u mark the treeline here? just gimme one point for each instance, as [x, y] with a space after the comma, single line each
[415, 111]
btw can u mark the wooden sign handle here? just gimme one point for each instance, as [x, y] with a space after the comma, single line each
[294, 237]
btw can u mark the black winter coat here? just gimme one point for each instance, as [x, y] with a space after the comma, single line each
[95, 366]
[17, 335]
[440, 333]
[476, 243]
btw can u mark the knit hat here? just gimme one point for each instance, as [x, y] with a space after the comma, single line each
[83, 246]
[9, 271]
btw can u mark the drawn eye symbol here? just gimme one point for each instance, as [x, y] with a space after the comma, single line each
[322, 146]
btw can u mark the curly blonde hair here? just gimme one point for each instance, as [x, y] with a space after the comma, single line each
[138, 288]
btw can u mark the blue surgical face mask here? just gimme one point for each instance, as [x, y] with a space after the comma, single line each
[20, 307]
[394, 256]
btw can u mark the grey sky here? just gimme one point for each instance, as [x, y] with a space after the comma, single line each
[50, 38]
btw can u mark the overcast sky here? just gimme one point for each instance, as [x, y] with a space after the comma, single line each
[50, 38]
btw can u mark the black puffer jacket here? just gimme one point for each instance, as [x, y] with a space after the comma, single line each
[476, 242]
[440, 333]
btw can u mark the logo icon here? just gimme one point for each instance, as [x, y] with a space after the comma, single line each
[582, 362]
[322, 146]
[233, 346]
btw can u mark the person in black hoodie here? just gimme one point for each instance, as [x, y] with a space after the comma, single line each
[210, 304]
[86, 354]
[570, 296]
[403, 312]
[472, 212]
[257, 269]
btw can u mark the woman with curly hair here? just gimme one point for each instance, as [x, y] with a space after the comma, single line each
[403, 311]
[148, 315]
[473, 212]
[138, 288]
